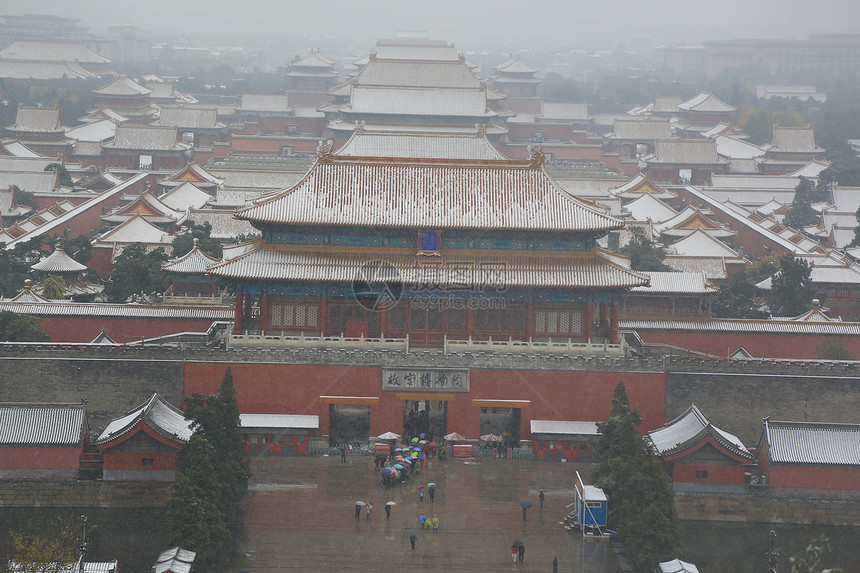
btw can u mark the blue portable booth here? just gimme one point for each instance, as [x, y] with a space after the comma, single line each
[591, 508]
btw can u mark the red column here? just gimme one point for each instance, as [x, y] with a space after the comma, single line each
[246, 310]
[530, 320]
[613, 324]
[237, 321]
[265, 319]
[470, 321]
[604, 319]
[323, 319]
[589, 320]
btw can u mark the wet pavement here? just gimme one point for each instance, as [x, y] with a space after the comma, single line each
[300, 516]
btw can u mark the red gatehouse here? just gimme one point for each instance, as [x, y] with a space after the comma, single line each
[143, 444]
[702, 458]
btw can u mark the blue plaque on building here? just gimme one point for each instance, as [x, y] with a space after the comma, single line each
[428, 243]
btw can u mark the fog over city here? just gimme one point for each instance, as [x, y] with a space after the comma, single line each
[471, 24]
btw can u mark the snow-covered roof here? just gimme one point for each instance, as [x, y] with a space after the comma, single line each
[685, 152]
[185, 196]
[37, 70]
[15, 149]
[700, 243]
[713, 267]
[426, 51]
[690, 428]
[265, 103]
[441, 194]
[596, 268]
[279, 421]
[58, 262]
[638, 185]
[224, 225]
[23, 424]
[677, 566]
[794, 140]
[706, 102]
[189, 117]
[668, 282]
[123, 86]
[733, 148]
[51, 51]
[640, 130]
[135, 230]
[176, 560]
[647, 207]
[30, 181]
[162, 417]
[95, 131]
[564, 427]
[811, 443]
[37, 120]
[147, 138]
[564, 111]
[417, 74]
[428, 101]
[812, 169]
[195, 173]
[194, 261]
[429, 145]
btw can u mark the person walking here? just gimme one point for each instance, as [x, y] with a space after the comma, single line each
[412, 539]
[432, 491]
[555, 564]
[435, 522]
[387, 512]
[541, 496]
[342, 454]
[515, 551]
[422, 519]
[369, 510]
[522, 551]
[357, 511]
[421, 496]
[524, 513]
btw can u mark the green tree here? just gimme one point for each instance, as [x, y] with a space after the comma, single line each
[640, 493]
[13, 272]
[62, 174]
[216, 417]
[42, 546]
[197, 521]
[21, 328]
[80, 248]
[815, 559]
[791, 291]
[644, 256]
[135, 271]
[801, 214]
[855, 242]
[185, 242]
[737, 299]
[54, 288]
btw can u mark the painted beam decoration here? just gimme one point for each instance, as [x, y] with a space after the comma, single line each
[436, 380]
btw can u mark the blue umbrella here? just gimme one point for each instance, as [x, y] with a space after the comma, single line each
[525, 504]
[398, 466]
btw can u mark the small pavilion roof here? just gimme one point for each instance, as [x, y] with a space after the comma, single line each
[424, 145]
[194, 261]
[690, 428]
[135, 230]
[28, 296]
[59, 262]
[185, 196]
[647, 207]
[30, 424]
[811, 443]
[103, 338]
[706, 102]
[427, 193]
[176, 560]
[591, 269]
[688, 221]
[314, 59]
[703, 244]
[163, 418]
[514, 65]
[123, 86]
[194, 173]
[640, 184]
[677, 566]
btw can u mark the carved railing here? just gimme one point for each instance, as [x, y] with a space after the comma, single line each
[283, 339]
[532, 346]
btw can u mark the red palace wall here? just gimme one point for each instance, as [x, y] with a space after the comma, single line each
[120, 329]
[769, 345]
[554, 395]
[161, 461]
[718, 473]
[41, 458]
[813, 477]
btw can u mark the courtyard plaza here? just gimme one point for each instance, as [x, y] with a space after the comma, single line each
[300, 516]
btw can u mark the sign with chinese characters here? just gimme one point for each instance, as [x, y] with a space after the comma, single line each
[436, 380]
[428, 243]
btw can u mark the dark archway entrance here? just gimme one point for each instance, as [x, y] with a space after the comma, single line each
[427, 417]
[348, 423]
[503, 422]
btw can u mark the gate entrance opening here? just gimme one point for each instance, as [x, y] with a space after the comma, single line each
[348, 423]
[503, 422]
[428, 417]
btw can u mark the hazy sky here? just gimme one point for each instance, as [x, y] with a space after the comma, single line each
[468, 23]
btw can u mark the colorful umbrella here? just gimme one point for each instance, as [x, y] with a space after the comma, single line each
[414, 440]
[398, 466]
[454, 437]
[389, 436]
[422, 442]
[491, 438]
